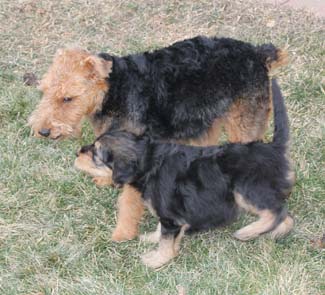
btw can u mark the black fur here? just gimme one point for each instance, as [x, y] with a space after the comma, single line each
[178, 91]
[196, 185]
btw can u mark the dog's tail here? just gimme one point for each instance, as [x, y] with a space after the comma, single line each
[272, 57]
[281, 123]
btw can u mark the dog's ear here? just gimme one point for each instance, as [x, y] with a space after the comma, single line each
[99, 65]
[124, 172]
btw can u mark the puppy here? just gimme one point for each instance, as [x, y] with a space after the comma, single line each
[199, 188]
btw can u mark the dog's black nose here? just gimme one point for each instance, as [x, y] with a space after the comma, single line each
[45, 132]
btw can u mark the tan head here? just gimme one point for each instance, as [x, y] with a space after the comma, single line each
[73, 88]
[119, 151]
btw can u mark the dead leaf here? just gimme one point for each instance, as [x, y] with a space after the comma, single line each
[30, 79]
[318, 243]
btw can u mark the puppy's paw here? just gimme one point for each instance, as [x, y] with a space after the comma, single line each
[152, 237]
[244, 235]
[102, 181]
[156, 259]
[123, 236]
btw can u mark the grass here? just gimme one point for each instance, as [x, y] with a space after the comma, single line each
[55, 225]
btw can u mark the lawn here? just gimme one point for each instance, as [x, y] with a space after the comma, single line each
[55, 224]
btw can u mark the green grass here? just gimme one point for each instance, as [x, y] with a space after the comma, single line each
[55, 225]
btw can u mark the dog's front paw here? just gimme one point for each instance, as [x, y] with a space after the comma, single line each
[123, 236]
[102, 181]
[156, 259]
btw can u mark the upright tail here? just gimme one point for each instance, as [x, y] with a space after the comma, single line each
[272, 57]
[281, 123]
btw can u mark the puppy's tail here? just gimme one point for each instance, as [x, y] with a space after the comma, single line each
[281, 124]
[272, 57]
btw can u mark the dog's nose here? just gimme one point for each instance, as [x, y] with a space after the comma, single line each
[45, 132]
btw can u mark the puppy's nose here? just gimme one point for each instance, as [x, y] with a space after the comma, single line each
[45, 132]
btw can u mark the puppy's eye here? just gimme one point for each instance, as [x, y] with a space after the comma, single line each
[67, 99]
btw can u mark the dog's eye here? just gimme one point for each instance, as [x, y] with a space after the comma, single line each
[67, 99]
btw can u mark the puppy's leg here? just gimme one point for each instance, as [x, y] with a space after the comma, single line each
[253, 230]
[152, 237]
[168, 247]
[283, 228]
[247, 119]
[266, 222]
[130, 211]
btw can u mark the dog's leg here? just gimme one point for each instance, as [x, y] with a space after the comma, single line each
[253, 230]
[283, 228]
[130, 211]
[265, 223]
[247, 119]
[152, 237]
[168, 248]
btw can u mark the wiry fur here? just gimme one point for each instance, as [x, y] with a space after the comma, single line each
[72, 88]
[174, 93]
[195, 188]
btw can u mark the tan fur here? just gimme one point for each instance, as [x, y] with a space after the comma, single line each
[101, 176]
[245, 123]
[168, 249]
[152, 237]
[283, 228]
[253, 230]
[243, 204]
[103, 181]
[282, 60]
[211, 137]
[130, 211]
[76, 74]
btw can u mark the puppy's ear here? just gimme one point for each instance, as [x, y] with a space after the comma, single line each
[124, 172]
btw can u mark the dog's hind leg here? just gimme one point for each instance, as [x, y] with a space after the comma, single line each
[168, 248]
[130, 212]
[247, 119]
[267, 220]
[283, 228]
[152, 237]
[209, 138]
